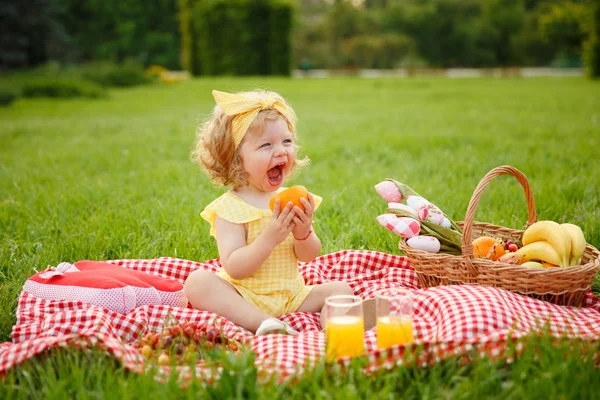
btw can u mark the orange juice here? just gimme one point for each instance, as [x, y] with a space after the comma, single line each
[345, 337]
[392, 330]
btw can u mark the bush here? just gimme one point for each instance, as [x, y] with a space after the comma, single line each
[7, 96]
[115, 75]
[591, 48]
[61, 87]
[382, 51]
[592, 57]
[187, 57]
[114, 30]
[281, 15]
[311, 46]
[238, 37]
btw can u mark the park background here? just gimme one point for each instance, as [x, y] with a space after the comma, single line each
[102, 99]
[272, 37]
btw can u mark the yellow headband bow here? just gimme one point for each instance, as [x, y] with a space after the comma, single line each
[246, 109]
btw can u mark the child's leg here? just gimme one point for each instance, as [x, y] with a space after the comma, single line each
[315, 301]
[209, 292]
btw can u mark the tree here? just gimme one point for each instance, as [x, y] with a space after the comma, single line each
[30, 32]
[343, 21]
[442, 29]
[376, 3]
[592, 44]
[501, 22]
[530, 47]
[119, 29]
[566, 25]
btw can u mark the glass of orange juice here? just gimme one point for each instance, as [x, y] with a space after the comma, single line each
[394, 317]
[344, 326]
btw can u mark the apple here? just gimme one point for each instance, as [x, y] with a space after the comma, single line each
[147, 351]
[164, 359]
[188, 331]
[211, 335]
[176, 330]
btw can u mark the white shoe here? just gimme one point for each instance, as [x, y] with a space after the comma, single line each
[274, 325]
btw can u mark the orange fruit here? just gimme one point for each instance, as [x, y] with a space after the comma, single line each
[548, 265]
[488, 247]
[293, 194]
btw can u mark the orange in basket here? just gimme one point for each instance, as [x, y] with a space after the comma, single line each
[488, 247]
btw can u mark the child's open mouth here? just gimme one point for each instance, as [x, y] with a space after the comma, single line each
[275, 175]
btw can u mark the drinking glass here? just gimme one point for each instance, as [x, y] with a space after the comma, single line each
[394, 317]
[344, 326]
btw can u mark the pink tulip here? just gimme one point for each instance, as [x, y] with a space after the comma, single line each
[389, 191]
[425, 243]
[385, 219]
[401, 226]
[430, 212]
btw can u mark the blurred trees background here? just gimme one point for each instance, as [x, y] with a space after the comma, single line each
[77, 31]
[272, 36]
[442, 33]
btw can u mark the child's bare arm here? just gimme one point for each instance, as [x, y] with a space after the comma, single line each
[241, 260]
[231, 238]
[308, 249]
[307, 245]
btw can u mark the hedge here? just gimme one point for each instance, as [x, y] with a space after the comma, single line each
[236, 37]
[62, 87]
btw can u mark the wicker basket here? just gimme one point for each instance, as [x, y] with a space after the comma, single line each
[564, 286]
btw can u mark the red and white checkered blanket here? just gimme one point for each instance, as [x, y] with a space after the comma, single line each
[448, 320]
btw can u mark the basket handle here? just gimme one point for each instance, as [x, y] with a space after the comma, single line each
[467, 243]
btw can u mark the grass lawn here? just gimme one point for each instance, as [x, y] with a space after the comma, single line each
[111, 178]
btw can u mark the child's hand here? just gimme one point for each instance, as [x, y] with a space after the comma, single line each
[303, 219]
[280, 225]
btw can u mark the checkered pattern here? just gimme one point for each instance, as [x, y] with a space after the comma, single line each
[448, 320]
[246, 109]
[277, 287]
[401, 226]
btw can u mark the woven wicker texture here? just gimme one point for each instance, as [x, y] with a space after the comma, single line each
[564, 286]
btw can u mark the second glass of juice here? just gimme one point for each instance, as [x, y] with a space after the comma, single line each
[394, 317]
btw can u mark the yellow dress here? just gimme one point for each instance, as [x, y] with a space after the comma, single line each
[277, 287]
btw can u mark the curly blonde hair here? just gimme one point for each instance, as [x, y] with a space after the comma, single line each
[215, 149]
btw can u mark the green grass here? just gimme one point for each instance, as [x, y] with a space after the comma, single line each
[560, 370]
[111, 178]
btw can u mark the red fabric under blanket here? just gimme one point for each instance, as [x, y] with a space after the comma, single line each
[448, 320]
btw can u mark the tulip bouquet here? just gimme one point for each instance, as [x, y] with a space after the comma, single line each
[423, 225]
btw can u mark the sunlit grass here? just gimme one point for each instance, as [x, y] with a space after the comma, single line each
[111, 178]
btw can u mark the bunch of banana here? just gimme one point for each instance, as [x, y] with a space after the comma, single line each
[551, 243]
[577, 243]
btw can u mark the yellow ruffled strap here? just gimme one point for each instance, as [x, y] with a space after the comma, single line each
[233, 209]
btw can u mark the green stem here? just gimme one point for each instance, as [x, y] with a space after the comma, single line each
[405, 190]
